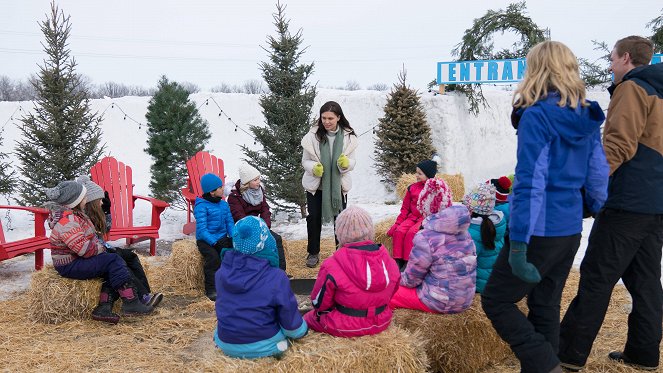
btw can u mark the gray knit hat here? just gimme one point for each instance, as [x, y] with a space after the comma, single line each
[94, 191]
[67, 193]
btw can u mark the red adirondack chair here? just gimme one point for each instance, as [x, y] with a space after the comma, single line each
[35, 244]
[200, 164]
[116, 178]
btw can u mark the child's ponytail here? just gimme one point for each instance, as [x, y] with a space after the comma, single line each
[488, 232]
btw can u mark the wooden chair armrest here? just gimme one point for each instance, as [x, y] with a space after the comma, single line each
[155, 202]
[41, 215]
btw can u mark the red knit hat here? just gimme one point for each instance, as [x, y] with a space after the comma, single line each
[502, 186]
[435, 197]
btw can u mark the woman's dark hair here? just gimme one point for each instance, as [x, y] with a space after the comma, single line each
[96, 214]
[335, 108]
[487, 231]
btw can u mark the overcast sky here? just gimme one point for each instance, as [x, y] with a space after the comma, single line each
[367, 41]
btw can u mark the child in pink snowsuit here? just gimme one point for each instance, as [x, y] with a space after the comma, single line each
[354, 286]
[441, 274]
[409, 220]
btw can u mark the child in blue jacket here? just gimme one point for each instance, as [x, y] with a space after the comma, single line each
[214, 225]
[487, 228]
[256, 310]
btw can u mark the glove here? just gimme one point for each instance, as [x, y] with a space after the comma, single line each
[317, 170]
[106, 204]
[343, 162]
[391, 231]
[520, 267]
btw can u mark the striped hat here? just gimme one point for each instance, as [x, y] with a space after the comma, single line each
[435, 197]
[502, 188]
[353, 225]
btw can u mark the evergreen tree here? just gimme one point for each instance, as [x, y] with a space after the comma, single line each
[287, 110]
[176, 132]
[596, 73]
[7, 180]
[478, 43]
[656, 25]
[62, 138]
[403, 135]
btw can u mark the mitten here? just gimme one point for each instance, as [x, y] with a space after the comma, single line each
[343, 162]
[317, 170]
[106, 204]
[391, 231]
[520, 267]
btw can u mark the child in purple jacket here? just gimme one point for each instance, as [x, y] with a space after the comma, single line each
[440, 276]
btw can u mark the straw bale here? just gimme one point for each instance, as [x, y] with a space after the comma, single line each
[54, 299]
[295, 255]
[381, 229]
[185, 268]
[455, 181]
[394, 349]
[464, 342]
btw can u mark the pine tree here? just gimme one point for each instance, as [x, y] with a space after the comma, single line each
[656, 25]
[403, 135]
[287, 110]
[7, 180]
[596, 73]
[176, 132]
[478, 43]
[62, 138]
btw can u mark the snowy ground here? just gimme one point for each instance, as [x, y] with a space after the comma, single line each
[479, 147]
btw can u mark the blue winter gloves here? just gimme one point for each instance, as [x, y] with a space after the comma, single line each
[318, 170]
[520, 267]
[343, 162]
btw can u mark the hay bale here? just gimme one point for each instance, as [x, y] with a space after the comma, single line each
[395, 349]
[185, 268]
[464, 342]
[455, 181]
[295, 256]
[381, 229]
[54, 299]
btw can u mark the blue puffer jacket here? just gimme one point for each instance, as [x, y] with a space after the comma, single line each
[486, 257]
[255, 308]
[213, 220]
[559, 152]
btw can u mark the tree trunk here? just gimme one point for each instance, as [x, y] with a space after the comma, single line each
[302, 209]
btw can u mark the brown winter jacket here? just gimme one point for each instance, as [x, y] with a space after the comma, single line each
[239, 208]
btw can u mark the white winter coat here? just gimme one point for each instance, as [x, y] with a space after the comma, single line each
[311, 156]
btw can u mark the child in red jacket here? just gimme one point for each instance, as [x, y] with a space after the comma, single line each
[409, 220]
[354, 286]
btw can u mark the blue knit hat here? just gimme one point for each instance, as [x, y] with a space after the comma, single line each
[251, 235]
[210, 182]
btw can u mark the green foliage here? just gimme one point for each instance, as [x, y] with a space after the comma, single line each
[62, 138]
[287, 110]
[596, 73]
[176, 132]
[403, 135]
[478, 43]
[7, 179]
[656, 25]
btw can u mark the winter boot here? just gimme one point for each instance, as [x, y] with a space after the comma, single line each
[131, 304]
[152, 299]
[104, 310]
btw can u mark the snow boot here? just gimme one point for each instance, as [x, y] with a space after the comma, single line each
[152, 299]
[131, 304]
[104, 310]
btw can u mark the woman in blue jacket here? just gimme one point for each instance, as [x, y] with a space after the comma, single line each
[559, 152]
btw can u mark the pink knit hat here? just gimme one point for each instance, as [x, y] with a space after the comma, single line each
[435, 197]
[353, 225]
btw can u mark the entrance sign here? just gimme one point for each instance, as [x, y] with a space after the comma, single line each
[489, 71]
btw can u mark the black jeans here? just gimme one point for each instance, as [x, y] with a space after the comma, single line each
[627, 245]
[279, 249]
[314, 220]
[534, 338]
[135, 270]
[212, 259]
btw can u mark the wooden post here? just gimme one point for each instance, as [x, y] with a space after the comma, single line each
[441, 89]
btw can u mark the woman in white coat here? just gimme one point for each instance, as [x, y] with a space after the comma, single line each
[329, 156]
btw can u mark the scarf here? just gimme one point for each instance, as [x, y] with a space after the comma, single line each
[330, 184]
[270, 255]
[210, 198]
[253, 196]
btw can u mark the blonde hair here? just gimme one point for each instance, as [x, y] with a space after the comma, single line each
[244, 187]
[551, 66]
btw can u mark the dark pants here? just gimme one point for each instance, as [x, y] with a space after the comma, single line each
[108, 266]
[212, 259]
[136, 270]
[314, 220]
[627, 245]
[279, 249]
[533, 339]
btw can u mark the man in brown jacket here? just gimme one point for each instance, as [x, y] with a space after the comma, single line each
[627, 235]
